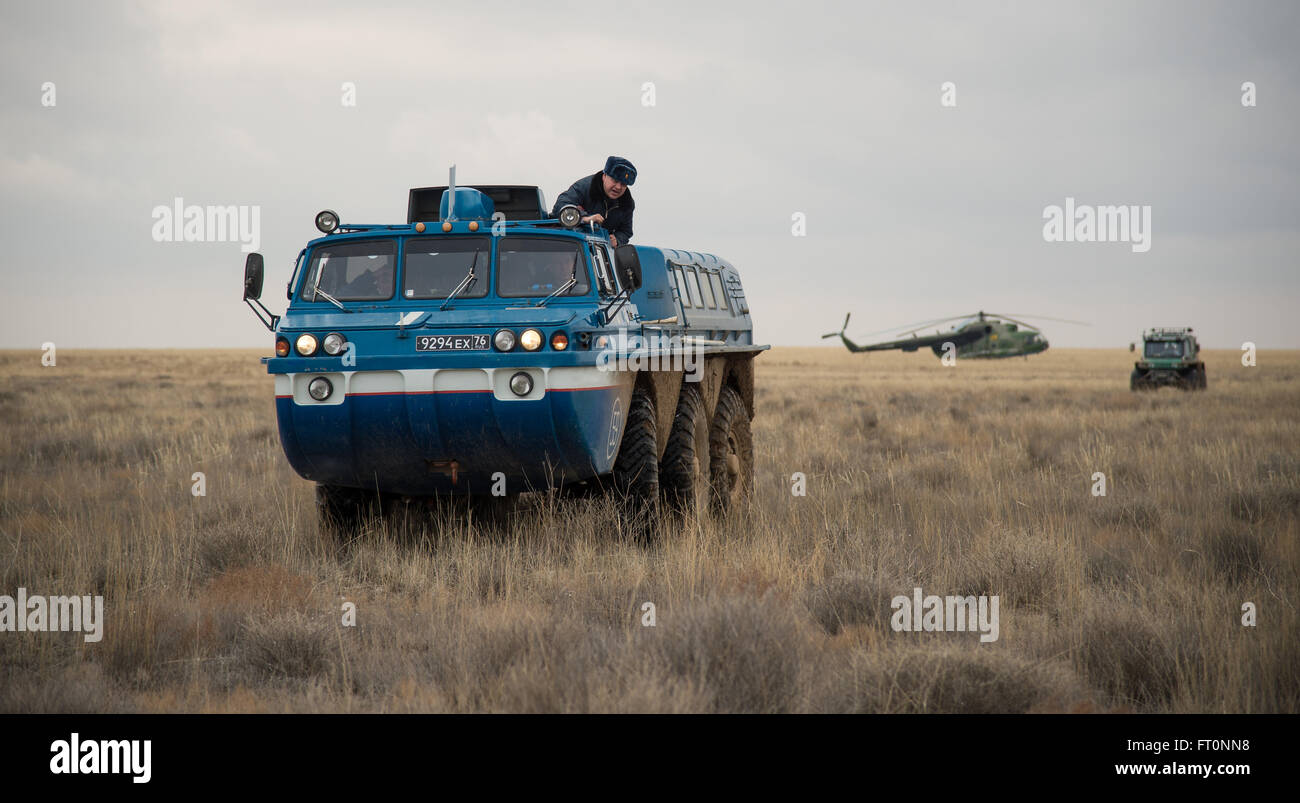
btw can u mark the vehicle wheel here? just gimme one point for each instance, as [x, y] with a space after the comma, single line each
[1201, 381]
[342, 511]
[636, 469]
[731, 453]
[684, 472]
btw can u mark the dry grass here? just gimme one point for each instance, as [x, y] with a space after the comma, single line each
[970, 480]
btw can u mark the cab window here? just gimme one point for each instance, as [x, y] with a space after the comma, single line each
[683, 291]
[716, 282]
[535, 267]
[604, 270]
[1163, 349]
[433, 267]
[707, 291]
[355, 271]
[693, 280]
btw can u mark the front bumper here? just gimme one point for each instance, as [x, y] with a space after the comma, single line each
[445, 431]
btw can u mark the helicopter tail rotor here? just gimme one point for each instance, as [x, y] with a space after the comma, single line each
[841, 332]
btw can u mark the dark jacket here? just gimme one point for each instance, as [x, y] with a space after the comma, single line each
[588, 193]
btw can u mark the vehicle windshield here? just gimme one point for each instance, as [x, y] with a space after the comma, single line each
[529, 267]
[434, 267]
[356, 271]
[1164, 349]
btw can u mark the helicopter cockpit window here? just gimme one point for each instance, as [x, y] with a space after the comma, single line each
[1164, 349]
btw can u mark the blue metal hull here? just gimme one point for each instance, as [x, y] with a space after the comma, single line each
[406, 442]
[399, 416]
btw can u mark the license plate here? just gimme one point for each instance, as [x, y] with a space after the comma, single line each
[451, 342]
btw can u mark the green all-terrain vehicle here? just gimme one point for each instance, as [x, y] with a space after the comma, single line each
[1169, 357]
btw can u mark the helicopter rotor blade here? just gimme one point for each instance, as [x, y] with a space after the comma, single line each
[910, 329]
[916, 327]
[928, 324]
[1039, 317]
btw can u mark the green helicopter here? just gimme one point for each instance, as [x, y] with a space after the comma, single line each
[982, 335]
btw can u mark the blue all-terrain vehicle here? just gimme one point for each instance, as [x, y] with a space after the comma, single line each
[485, 349]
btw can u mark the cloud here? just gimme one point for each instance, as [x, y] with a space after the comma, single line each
[493, 149]
[827, 109]
[35, 176]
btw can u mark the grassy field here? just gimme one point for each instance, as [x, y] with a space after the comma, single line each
[975, 479]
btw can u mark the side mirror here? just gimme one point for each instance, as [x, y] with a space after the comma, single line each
[629, 267]
[253, 276]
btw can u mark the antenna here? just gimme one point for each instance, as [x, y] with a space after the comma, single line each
[451, 188]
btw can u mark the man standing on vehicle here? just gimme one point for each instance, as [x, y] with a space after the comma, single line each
[604, 199]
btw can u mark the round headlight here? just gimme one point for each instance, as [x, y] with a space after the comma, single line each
[559, 341]
[521, 383]
[327, 221]
[569, 216]
[306, 345]
[504, 340]
[334, 344]
[531, 340]
[320, 388]
[281, 347]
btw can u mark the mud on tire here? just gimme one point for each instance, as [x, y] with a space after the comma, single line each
[636, 469]
[731, 453]
[684, 472]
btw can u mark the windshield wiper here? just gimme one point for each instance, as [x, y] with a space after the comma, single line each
[316, 291]
[469, 277]
[331, 299]
[564, 288]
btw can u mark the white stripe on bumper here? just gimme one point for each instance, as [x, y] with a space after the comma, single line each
[451, 380]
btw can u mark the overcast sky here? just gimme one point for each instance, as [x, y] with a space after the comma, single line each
[914, 210]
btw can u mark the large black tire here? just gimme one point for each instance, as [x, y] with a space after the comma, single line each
[1137, 380]
[1201, 381]
[684, 471]
[343, 511]
[636, 469]
[1191, 380]
[731, 453]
